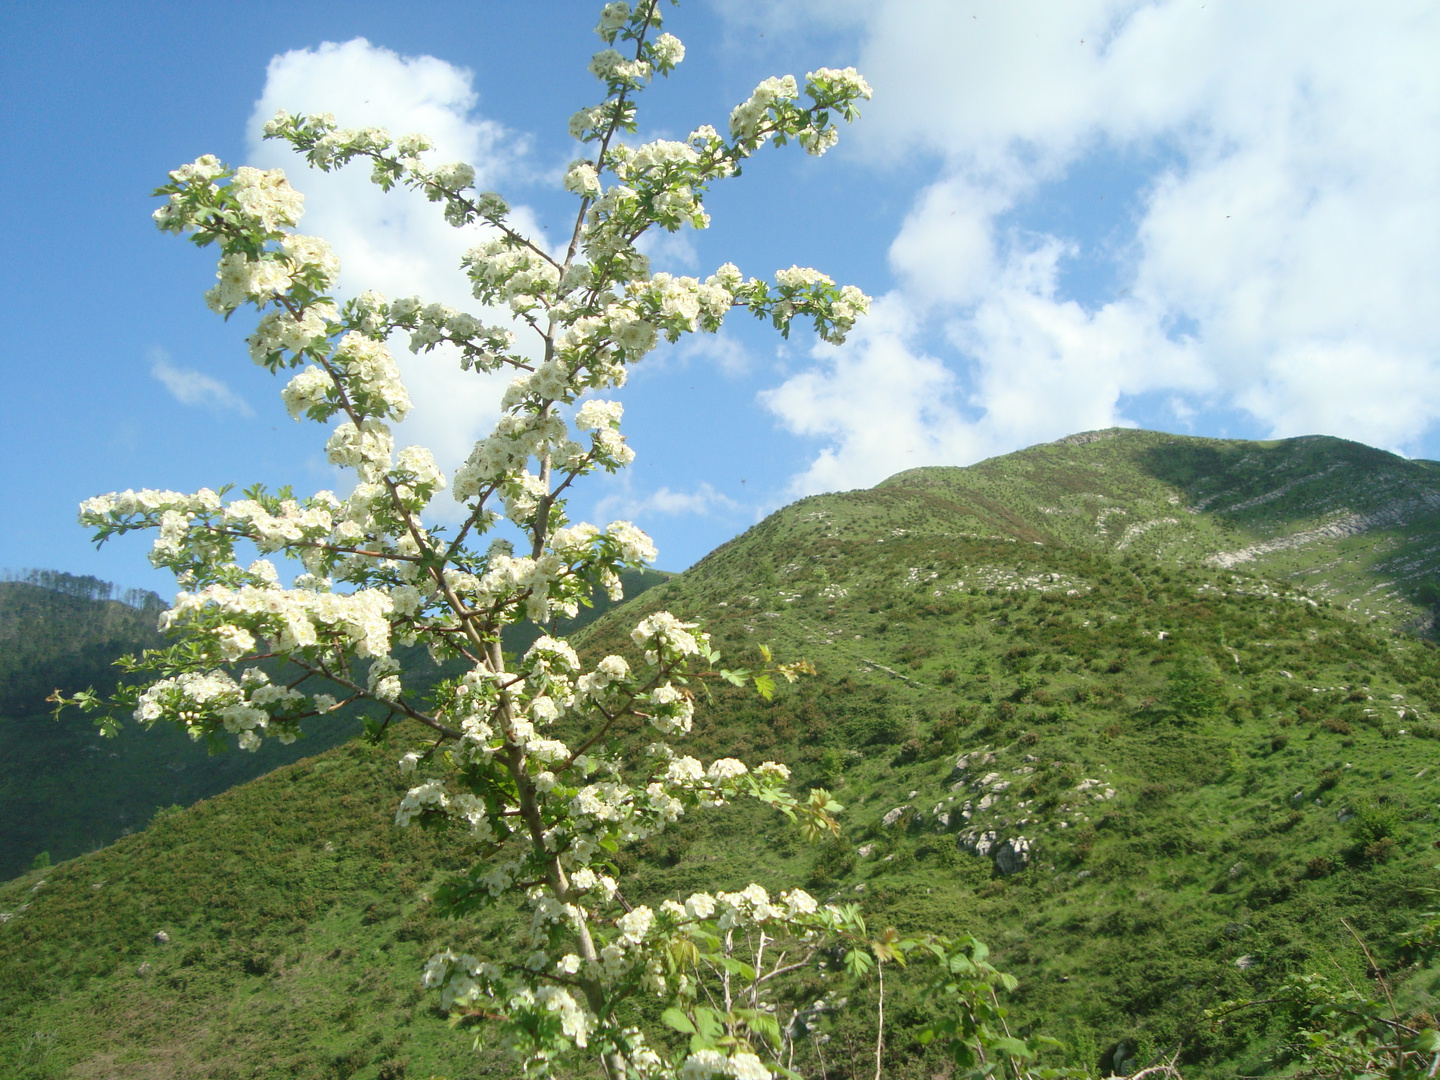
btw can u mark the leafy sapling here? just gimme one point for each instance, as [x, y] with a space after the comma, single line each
[541, 815]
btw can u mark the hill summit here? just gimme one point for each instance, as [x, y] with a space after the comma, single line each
[1347, 522]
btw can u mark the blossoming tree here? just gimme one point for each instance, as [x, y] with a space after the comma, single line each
[541, 814]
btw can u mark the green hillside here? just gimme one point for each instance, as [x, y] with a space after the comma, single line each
[63, 789]
[1350, 523]
[1153, 782]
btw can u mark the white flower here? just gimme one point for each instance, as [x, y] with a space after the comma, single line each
[799, 902]
[455, 176]
[610, 670]
[801, 277]
[313, 254]
[595, 415]
[634, 925]
[663, 632]
[746, 1066]
[366, 448]
[700, 905]
[669, 49]
[612, 17]
[583, 180]
[307, 389]
[847, 80]
[234, 642]
[723, 769]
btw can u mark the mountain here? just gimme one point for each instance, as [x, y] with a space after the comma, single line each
[64, 790]
[1154, 776]
[1351, 524]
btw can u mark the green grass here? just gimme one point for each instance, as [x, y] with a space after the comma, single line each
[64, 790]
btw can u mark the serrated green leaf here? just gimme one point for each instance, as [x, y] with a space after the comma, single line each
[708, 1024]
[738, 967]
[1012, 1046]
[676, 1019]
[1427, 1042]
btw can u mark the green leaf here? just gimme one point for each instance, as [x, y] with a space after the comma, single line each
[765, 685]
[738, 967]
[1012, 1046]
[709, 1024]
[1427, 1042]
[858, 961]
[765, 1025]
[675, 1018]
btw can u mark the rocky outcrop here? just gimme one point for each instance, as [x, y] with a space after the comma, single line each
[1013, 856]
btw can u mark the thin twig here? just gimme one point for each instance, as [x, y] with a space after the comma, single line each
[1379, 976]
[880, 1033]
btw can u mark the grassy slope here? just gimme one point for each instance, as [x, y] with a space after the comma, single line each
[1230, 835]
[1351, 523]
[66, 791]
[1229, 839]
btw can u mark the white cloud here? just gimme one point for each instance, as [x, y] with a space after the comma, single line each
[945, 252]
[672, 251]
[880, 403]
[397, 242]
[703, 501]
[1282, 257]
[190, 387]
[720, 349]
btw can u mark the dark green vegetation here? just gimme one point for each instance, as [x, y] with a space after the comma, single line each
[1192, 773]
[63, 789]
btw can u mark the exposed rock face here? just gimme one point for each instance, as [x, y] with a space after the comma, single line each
[979, 843]
[894, 816]
[976, 758]
[1013, 856]
[162, 938]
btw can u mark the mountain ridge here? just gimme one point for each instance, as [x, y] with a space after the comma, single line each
[1369, 520]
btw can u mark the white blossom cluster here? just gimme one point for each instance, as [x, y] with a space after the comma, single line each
[244, 708]
[541, 764]
[292, 619]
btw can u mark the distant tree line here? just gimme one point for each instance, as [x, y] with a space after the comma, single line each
[84, 587]
[64, 631]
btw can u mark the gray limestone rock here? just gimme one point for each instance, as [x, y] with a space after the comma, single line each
[1013, 855]
[894, 816]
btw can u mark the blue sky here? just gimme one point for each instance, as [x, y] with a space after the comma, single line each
[1216, 218]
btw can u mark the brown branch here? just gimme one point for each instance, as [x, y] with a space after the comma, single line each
[397, 706]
